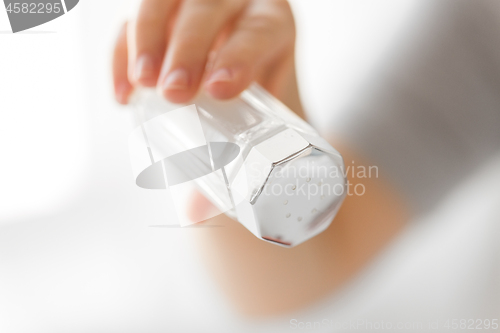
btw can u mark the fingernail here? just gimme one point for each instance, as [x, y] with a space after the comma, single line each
[177, 79]
[122, 91]
[144, 67]
[220, 75]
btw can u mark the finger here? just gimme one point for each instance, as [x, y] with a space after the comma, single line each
[148, 39]
[198, 24]
[264, 33]
[121, 84]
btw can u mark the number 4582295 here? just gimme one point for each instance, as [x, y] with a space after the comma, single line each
[34, 8]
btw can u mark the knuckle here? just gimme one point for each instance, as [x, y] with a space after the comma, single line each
[270, 23]
[213, 4]
[276, 15]
[260, 23]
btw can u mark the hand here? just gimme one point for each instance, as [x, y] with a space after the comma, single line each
[223, 45]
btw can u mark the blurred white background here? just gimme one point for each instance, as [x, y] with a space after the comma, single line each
[76, 250]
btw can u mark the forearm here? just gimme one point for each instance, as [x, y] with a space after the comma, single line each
[264, 279]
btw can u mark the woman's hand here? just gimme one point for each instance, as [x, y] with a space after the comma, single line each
[221, 45]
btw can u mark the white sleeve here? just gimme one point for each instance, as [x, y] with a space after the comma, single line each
[434, 114]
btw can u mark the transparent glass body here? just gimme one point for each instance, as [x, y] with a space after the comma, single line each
[252, 157]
